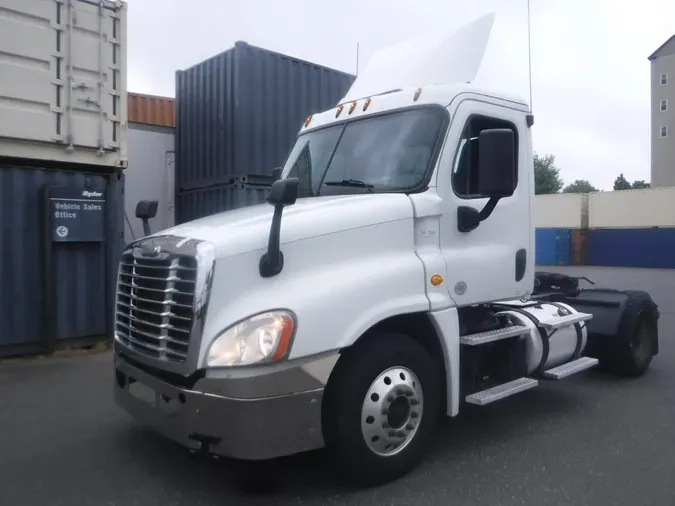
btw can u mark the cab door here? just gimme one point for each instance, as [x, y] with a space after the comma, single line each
[495, 260]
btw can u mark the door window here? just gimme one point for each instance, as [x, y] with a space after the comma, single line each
[465, 165]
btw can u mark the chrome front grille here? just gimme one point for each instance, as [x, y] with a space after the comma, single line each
[156, 291]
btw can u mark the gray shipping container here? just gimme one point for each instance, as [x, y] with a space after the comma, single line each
[55, 293]
[238, 113]
[194, 204]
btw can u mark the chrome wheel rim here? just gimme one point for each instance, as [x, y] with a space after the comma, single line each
[392, 411]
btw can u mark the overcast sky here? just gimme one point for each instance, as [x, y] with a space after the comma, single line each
[589, 59]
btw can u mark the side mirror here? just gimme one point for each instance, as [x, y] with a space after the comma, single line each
[496, 162]
[145, 210]
[276, 173]
[284, 192]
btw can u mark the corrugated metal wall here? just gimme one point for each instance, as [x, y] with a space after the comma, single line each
[553, 246]
[238, 113]
[629, 228]
[151, 110]
[84, 273]
[633, 208]
[632, 247]
[149, 176]
[195, 204]
[561, 210]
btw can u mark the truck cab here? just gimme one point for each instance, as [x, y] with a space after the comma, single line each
[389, 280]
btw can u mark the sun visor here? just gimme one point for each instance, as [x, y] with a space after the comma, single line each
[438, 58]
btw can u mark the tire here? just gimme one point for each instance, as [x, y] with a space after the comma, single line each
[353, 417]
[631, 352]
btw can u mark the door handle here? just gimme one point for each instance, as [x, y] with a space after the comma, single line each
[521, 263]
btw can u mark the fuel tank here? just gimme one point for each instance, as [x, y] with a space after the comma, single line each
[550, 341]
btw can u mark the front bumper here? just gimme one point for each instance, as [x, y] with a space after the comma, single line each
[243, 428]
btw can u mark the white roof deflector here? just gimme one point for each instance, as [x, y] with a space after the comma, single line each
[439, 58]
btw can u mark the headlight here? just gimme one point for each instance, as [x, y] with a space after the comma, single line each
[262, 338]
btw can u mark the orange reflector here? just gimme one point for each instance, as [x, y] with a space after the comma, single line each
[365, 106]
[339, 110]
[418, 91]
[286, 323]
[309, 118]
[436, 279]
[352, 107]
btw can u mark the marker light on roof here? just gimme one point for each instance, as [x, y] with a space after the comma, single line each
[309, 118]
[352, 107]
[365, 106]
[418, 91]
[339, 110]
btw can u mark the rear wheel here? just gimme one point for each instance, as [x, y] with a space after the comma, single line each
[631, 353]
[381, 405]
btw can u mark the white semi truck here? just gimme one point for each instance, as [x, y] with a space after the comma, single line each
[389, 280]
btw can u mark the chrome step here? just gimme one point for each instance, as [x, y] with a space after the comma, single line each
[501, 391]
[565, 321]
[578, 365]
[493, 335]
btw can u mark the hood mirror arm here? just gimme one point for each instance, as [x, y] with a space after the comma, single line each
[284, 193]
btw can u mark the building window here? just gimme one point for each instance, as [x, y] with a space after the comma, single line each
[664, 105]
[664, 78]
[664, 132]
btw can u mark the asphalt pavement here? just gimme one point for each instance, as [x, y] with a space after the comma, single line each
[588, 440]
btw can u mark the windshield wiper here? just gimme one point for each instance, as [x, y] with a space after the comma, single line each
[351, 182]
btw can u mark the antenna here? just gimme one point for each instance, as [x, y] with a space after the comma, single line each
[529, 52]
[357, 58]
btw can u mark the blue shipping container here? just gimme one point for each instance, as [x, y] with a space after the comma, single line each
[553, 246]
[632, 247]
[83, 273]
[238, 112]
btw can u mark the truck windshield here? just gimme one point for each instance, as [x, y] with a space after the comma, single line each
[385, 153]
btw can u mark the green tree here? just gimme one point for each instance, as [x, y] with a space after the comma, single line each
[546, 175]
[621, 183]
[640, 184]
[580, 186]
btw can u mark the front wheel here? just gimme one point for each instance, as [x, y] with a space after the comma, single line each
[381, 405]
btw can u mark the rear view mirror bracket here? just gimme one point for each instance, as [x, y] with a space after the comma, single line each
[468, 218]
[284, 193]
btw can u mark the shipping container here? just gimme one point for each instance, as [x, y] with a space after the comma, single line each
[632, 247]
[202, 202]
[151, 110]
[150, 176]
[553, 246]
[61, 242]
[63, 81]
[647, 208]
[239, 112]
[561, 210]
[579, 246]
